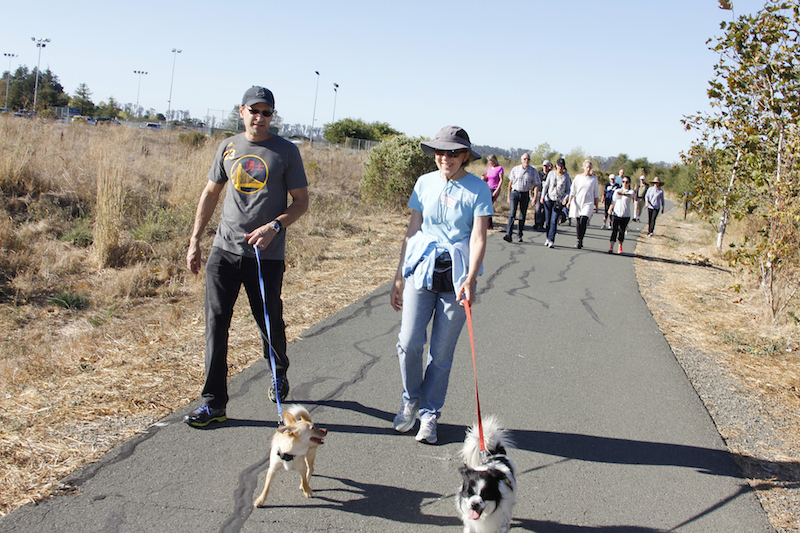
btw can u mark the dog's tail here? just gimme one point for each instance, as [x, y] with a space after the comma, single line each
[298, 412]
[495, 438]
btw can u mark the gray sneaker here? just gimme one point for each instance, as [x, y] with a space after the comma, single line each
[427, 430]
[406, 417]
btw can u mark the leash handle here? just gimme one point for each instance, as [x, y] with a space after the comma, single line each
[468, 309]
[269, 337]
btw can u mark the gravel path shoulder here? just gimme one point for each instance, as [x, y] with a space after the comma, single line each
[760, 429]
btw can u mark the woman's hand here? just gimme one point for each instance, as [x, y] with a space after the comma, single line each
[396, 296]
[466, 292]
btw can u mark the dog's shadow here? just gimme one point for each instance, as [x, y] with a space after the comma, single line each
[370, 499]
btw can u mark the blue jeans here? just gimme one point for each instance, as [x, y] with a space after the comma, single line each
[519, 200]
[552, 210]
[428, 386]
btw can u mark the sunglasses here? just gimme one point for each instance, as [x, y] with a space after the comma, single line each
[625, 181]
[266, 112]
[450, 153]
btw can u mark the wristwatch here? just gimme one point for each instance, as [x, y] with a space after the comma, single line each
[276, 225]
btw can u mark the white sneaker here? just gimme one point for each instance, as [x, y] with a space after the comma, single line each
[406, 417]
[427, 430]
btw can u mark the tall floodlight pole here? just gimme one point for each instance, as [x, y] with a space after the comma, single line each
[140, 73]
[314, 116]
[335, 94]
[175, 53]
[40, 43]
[8, 80]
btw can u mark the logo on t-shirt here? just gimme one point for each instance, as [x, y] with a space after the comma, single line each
[249, 174]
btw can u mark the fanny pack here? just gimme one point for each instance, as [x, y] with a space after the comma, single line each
[443, 274]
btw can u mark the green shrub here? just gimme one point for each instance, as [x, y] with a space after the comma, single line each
[392, 170]
[68, 299]
[192, 140]
[80, 234]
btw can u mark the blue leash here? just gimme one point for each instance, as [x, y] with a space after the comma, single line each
[269, 337]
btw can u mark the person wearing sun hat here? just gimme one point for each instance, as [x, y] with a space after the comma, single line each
[654, 198]
[641, 192]
[440, 260]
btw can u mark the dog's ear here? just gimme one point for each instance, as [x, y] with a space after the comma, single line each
[289, 428]
[289, 417]
[463, 470]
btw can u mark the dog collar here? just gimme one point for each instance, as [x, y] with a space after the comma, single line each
[285, 456]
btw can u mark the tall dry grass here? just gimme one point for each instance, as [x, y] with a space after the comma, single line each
[110, 204]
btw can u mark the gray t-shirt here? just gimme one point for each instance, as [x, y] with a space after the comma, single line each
[260, 176]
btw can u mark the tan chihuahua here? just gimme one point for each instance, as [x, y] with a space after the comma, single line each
[294, 447]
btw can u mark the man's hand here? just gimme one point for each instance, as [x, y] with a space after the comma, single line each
[261, 237]
[193, 257]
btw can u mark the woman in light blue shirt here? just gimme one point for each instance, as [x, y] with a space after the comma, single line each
[441, 257]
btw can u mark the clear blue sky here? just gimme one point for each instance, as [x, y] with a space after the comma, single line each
[607, 76]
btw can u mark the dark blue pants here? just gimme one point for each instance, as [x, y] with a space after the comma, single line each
[552, 211]
[519, 200]
[225, 274]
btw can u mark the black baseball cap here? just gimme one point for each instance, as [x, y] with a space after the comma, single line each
[258, 95]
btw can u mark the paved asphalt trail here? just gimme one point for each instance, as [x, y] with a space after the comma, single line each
[610, 434]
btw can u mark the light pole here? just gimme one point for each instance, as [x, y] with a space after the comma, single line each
[335, 94]
[8, 80]
[314, 116]
[40, 43]
[175, 53]
[140, 73]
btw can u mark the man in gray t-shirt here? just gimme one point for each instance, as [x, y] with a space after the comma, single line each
[260, 170]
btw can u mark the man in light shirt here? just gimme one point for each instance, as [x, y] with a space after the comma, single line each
[523, 185]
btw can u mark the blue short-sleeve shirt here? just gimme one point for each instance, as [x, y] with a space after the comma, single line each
[448, 207]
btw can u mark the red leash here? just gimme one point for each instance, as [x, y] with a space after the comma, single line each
[475, 368]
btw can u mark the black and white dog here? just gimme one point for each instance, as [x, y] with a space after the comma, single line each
[489, 488]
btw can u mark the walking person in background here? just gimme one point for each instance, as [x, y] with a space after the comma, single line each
[583, 199]
[441, 257]
[523, 184]
[655, 203]
[538, 207]
[260, 170]
[494, 178]
[608, 198]
[640, 192]
[623, 202]
[555, 198]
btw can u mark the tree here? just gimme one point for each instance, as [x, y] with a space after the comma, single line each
[336, 132]
[22, 86]
[110, 109]
[542, 152]
[748, 154]
[83, 99]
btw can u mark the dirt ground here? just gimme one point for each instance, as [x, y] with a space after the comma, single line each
[717, 333]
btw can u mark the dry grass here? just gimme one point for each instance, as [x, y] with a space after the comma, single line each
[702, 305]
